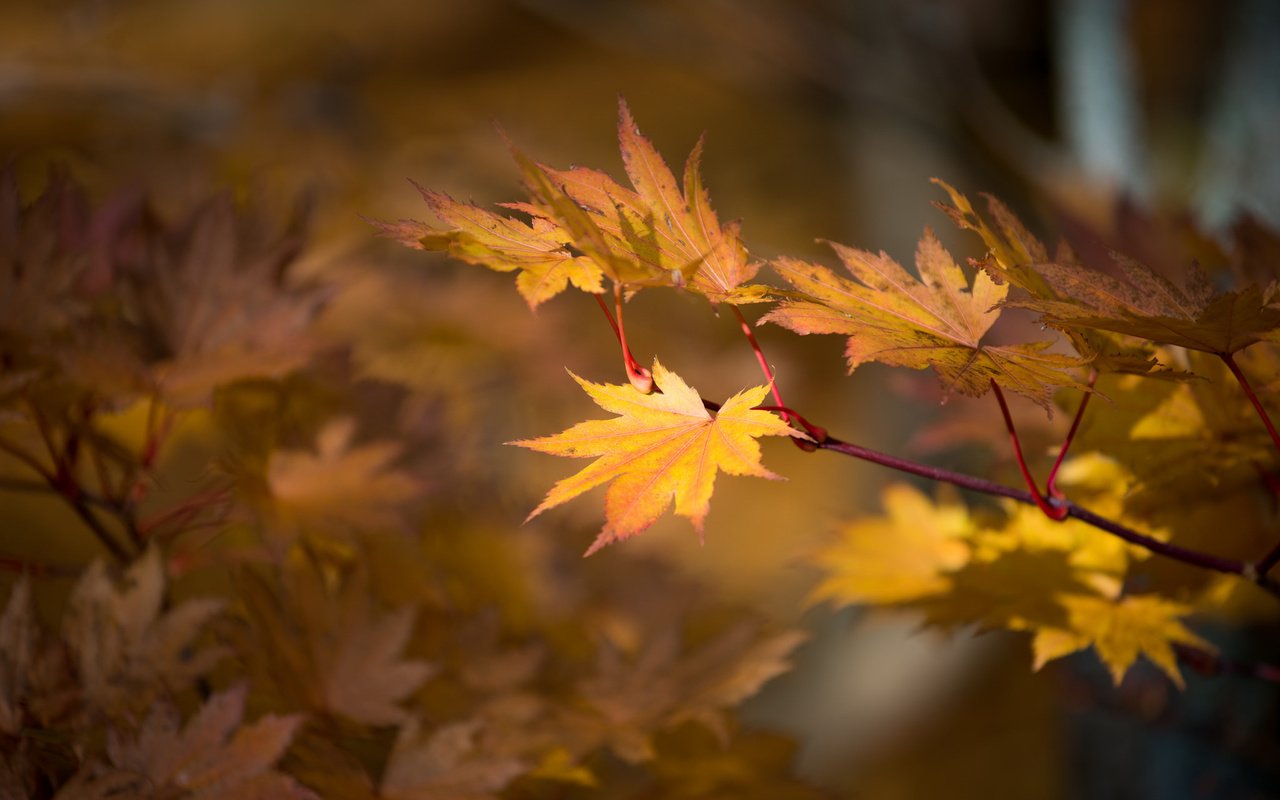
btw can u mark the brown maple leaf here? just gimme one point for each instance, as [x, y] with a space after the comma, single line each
[663, 446]
[127, 648]
[938, 321]
[664, 685]
[217, 299]
[214, 756]
[449, 763]
[1144, 304]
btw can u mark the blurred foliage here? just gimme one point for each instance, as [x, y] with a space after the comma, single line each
[260, 534]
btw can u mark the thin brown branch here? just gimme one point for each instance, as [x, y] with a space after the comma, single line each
[1185, 555]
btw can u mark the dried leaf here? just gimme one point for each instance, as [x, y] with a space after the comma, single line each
[938, 322]
[127, 649]
[449, 764]
[213, 755]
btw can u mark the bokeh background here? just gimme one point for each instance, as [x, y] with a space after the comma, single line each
[825, 119]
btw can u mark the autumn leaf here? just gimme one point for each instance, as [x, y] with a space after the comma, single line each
[367, 677]
[218, 299]
[1146, 305]
[1013, 255]
[449, 763]
[127, 647]
[214, 755]
[301, 484]
[893, 318]
[1011, 247]
[1120, 631]
[902, 556]
[666, 224]
[332, 648]
[663, 684]
[661, 446]
[537, 249]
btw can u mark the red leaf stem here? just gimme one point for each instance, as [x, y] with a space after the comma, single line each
[1054, 512]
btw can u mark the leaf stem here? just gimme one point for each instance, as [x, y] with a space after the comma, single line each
[638, 376]
[1050, 485]
[1052, 510]
[1230, 361]
[764, 364]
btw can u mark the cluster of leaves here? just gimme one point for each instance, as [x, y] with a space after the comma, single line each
[284, 600]
[1183, 440]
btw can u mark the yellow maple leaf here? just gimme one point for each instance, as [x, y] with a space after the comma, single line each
[902, 556]
[1120, 631]
[537, 249]
[662, 446]
[938, 321]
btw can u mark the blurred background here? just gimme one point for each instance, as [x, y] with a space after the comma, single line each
[825, 119]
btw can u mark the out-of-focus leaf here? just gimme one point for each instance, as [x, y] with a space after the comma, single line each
[127, 647]
[214, 755]
[1120, 631]
[907, 554]
[449, 763]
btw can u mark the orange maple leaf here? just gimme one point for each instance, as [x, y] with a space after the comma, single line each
[938, 322]
[674, 230]
[662, 446]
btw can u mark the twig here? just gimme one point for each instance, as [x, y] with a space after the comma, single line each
[1195, 558]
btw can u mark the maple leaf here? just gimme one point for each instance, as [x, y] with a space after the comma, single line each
[537, 249]
[451, 763]
[1120, 631]
[216, 299]
[662, 446]
[893, 318]
[675, 231]
[213, 756]
[902, 556]
[126, 648]
[367, 677]
[1012, 248]
[332, 648]
[302, 482]
[663, 686]
[1012, 255]
[1144, 304]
